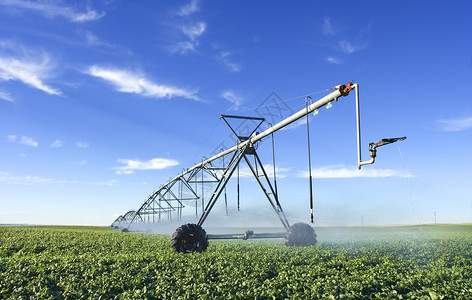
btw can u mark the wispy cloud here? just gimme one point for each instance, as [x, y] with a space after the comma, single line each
[29, 72]
[188, 8]
[110, 182]
[182, 47]
[349, 47]
[26, 66]
[10, 179]
[57, 144]
[269, 168]
[457, 124]
[334, 60]
[82, 145]
[6, 178]
[348, 44]
[328, 27]
[233, 98]
[27, 141]
[5, 96]
[11, 138]
[89, 15]
[92, 39]
[190, 31]
[23, 140]
[193, 33]
[154, 164]
[51, 10]
[300, 122]
[352, 172]
[224, 58]
[129, 82]
[295, 124]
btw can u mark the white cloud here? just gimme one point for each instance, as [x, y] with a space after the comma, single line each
[333, 60]
[182, 47]
[91, 38]
[457, 124]
[235, 100]
[28, 67]
[352, 172]
[51, 10]
[82, 145]
[6, 96]
[57, 144]
[153, 164]
[89, 15]
[280, 172]
[128, 82]
[188, 8]
[224, 58]
[295, 124]
[6, 178]
[11, 138]
[344, 45]
[194, 31]
[23, 140]
[328, 28]
[269, 168]
[27, 141]
[349, 48]
[110, 182]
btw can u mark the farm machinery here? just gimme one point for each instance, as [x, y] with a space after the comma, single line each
[190, 188]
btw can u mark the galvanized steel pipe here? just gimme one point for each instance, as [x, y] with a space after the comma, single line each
[320, 103]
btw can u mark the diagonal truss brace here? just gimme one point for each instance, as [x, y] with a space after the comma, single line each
[240, 150]
[273, 193]
[235, 161]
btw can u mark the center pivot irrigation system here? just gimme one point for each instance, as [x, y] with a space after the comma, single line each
[190, 188]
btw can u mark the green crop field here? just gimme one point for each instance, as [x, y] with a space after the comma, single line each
[408, 262]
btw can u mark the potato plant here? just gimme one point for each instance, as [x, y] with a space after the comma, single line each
[429, 262]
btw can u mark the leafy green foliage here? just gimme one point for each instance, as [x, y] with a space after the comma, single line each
[429, 262]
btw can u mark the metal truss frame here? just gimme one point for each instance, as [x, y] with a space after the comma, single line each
[168, 201]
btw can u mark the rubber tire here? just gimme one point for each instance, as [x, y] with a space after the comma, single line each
[300, 234]
[189, 238]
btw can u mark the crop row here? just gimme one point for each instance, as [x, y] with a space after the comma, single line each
[93, 263]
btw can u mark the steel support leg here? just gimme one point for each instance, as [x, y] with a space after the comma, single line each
[276, 206]
[222, 183]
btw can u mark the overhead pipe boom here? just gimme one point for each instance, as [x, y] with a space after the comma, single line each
[340, 91]
[192, 237]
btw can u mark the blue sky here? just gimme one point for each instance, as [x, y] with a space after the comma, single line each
[103, 101]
